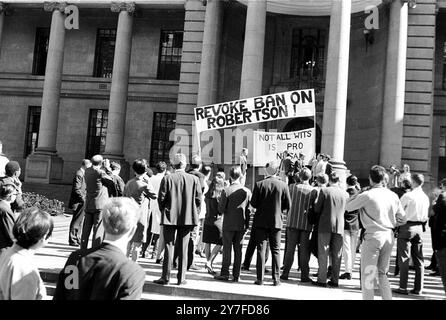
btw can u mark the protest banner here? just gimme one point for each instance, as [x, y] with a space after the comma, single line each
[269, 146]
[291, 104]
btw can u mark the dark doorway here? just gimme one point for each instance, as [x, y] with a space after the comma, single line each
[302, 124]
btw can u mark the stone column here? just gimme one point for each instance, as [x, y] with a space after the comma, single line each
[44, 165]
[253, 50]
[114, 145]
[394, 89]
[210, 58]
[252, 68]
[335, 100]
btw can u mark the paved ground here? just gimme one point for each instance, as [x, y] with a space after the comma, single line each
[201, 285]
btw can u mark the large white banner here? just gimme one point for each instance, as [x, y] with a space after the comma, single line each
[269, 146]
[291, 104]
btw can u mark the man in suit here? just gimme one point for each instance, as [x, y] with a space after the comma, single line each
[179, 198]
[234, 206]
[95, 178]
[104, 272]
[196, 165]
[439, 231]
[76, 203]
[298, 227]
[330, 206]
[8, 193]
[270, 198]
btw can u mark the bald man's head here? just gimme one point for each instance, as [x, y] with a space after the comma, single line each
[97, 160]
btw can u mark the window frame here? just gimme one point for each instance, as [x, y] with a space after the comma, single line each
[90, 149]
[321, 44]
[97, 72]
[28, 147]
[160, 135]
[161, 71]
[38, 60]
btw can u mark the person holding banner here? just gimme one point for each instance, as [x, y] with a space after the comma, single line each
[270, 198]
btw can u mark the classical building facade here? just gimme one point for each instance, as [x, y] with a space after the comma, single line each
[133, 71]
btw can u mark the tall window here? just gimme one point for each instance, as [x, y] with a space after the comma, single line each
[32, 130]
[442, 150]
[105, 51]
[308, 56]
[171, 46]
[442, 154]
[163, 124]
[444, 65]
[97, 131]
[41, 51]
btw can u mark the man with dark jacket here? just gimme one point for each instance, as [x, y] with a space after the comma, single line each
[76, 203]
[234, 206]
[439, 232]
[95, 179]
[13, 171]
[270, 198]
[179, 198]
[330, 206]
[196, 165]
[104, 272]
[8, 194]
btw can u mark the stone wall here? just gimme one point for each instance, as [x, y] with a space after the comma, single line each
[365, 95]
[80, 91]
[418, 109]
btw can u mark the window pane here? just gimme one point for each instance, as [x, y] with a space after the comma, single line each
[104, 55]
[161, 145]
[171, 44]
[32, 130]
[307, 56]
[97, 132]
[40, 51]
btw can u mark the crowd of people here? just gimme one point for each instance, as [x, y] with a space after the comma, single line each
[179, 215]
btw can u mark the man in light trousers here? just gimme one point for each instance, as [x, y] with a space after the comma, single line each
[380, 212]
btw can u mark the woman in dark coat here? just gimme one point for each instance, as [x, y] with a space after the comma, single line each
[212, 227]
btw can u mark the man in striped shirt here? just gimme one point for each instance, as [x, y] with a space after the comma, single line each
[303, 196]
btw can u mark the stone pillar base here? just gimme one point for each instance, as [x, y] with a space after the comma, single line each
[125, 166]
[341, 170]
[44, 168]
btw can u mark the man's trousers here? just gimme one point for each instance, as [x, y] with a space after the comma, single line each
[410, 244]
[92, 220]
[376, 250]
[301, 239]
[441, 260]
[74, 236]
[329, 244]
[263, 237]
[349, 249]
[232, 239]
[181, 241]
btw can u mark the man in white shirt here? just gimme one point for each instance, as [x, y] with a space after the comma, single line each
[416, 206]
[380, 212]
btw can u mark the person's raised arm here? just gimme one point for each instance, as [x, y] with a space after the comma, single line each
[356, 202]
